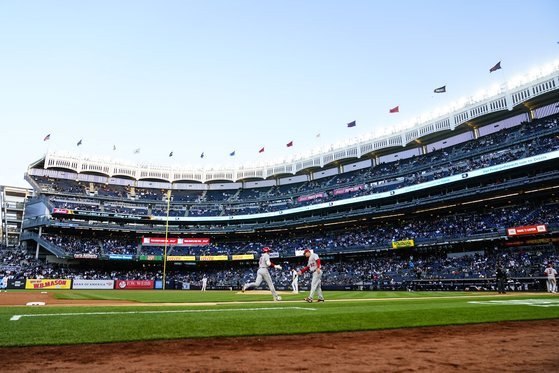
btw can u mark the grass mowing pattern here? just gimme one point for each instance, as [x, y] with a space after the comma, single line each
[329, 317]
[180, 296]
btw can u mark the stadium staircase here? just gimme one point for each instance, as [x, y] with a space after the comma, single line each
[54, 249]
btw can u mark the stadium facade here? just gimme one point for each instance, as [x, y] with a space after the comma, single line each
[482, 174]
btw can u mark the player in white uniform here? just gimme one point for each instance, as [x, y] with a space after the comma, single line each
[551, 274]
[264, 274]
[204, 283]
[5, 282]
[295, 281]
[313, 265]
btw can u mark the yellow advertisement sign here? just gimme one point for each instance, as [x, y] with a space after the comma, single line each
[403, 243]
[243, 257]
[213, 257]
[181, 258]
[32, 283]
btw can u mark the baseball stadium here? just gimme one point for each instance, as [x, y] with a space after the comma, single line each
[428, 246]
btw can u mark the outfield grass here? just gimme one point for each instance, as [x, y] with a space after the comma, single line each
[180, 296]
[297, 318]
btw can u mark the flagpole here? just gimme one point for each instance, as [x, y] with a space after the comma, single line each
[166, 238]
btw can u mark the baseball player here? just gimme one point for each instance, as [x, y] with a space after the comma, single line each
[551, 274]
[204, 283]
[264, 274]
[295, 281]
[313, 265]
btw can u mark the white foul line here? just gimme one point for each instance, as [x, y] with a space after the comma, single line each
[17, 317]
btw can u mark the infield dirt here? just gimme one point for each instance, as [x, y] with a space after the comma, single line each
[526, 346]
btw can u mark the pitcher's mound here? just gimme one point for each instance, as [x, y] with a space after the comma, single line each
[262, 292]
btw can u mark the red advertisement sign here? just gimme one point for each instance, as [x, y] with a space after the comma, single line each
[528, 229]
[310, 197]
[348, 189]
[56, 210]
[175, 241]
[195, 241]
[133, 284]
[159, 241]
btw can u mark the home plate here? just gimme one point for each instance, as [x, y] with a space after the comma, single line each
[35, 303]
[44, 292]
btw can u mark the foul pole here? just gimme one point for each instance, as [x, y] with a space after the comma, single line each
[166, 238]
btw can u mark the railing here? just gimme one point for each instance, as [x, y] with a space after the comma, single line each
[46, 244]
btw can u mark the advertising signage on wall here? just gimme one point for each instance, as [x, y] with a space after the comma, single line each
[213, 257]
[45, 283]
[62, 211]
[528, 229]
[175, 241]
[121, 256]
[243, 257]
[93, 284]
[402, 243]
[151, 257]
[181, 258]
[85, 256]
[133, 284]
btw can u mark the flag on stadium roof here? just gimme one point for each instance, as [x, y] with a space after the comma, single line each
[202, 155]
[137, 151]
[114, 147]
[496, 67]
[79, 142]
[47, 137]
[289, 144]
[395, 109]
[440, 89]
[351, 124]
[170, 154]
[261, 150]
[232, 153]
[317, 135]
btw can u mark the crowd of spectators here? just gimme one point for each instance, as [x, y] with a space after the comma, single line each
[75, 244]
[516, 143]
[384, 270]
[426, 229]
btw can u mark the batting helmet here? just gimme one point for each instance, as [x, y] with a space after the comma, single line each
[307, 251]
[266, 249]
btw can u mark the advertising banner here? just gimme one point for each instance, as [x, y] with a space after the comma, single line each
[16, 284]
[93, 284]
[311, 197]
[56, 210]
[402, 243]
[85, 256]
[528, 229]
[32, 283]
[348, 189]
[121, 256]
[175, 241]
[181, 258]
[151, 257]
[159, 241]
[213, 257]
[133, 284]
[243, 257]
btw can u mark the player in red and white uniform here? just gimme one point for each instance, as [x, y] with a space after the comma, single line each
[264, 274]
[551, 274]
[313, 265]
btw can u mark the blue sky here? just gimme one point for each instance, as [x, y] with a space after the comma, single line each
[218, 76]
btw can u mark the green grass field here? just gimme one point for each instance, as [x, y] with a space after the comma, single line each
[343, 311]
